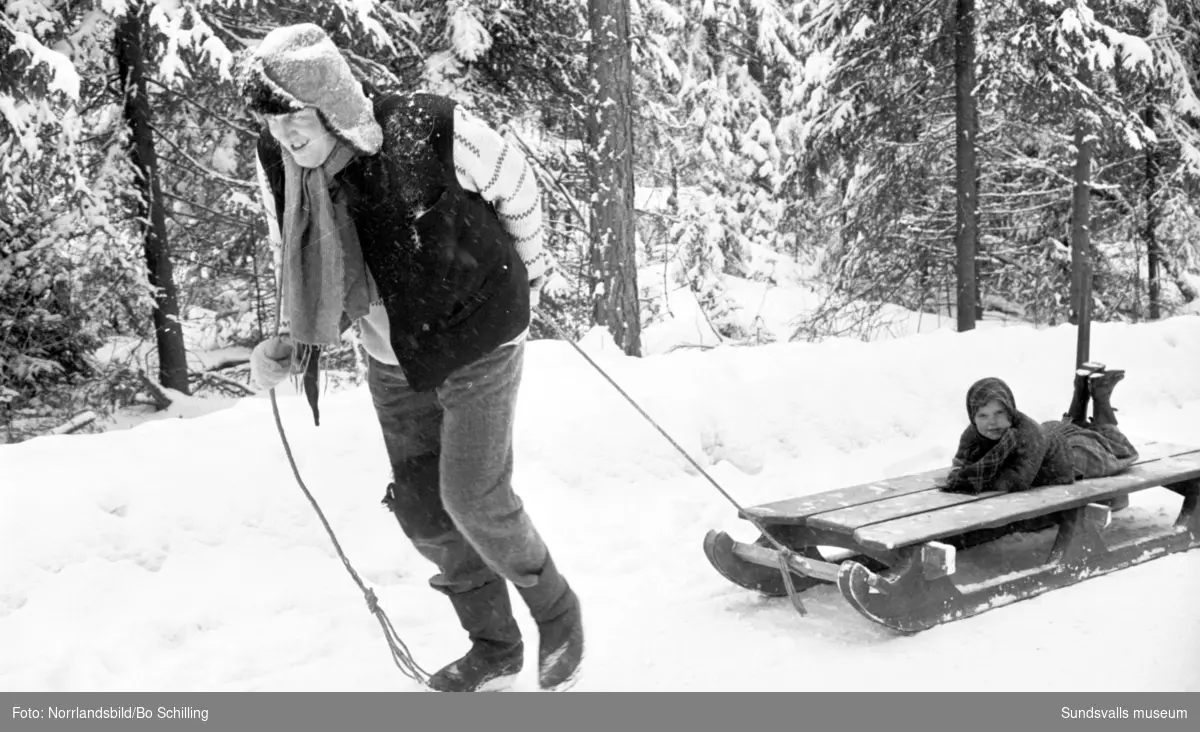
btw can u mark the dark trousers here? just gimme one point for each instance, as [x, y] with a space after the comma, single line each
[451, 452]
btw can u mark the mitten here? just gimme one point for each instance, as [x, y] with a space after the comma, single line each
[271, 361]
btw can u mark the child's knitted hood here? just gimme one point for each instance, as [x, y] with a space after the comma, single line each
[298, 66]
[987, 389]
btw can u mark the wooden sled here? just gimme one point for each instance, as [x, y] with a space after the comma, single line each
[900, 538]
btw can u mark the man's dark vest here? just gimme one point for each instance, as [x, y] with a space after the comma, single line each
[451, 281]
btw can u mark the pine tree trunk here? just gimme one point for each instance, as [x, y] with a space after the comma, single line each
[610, 167]
[966, 130]
[1081, 260]
[1153, 250]
[980, 275]
[172, 356]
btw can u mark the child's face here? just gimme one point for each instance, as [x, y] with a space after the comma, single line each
[992, 420]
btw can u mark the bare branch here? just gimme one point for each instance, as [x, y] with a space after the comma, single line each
[219, 117]
[200, 166]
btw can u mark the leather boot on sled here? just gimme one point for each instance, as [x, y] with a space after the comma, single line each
[1081, 394]
[1100, 386]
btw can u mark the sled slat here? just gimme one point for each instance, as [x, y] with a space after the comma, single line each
[847, 520]
[796, 511]
[999, 510]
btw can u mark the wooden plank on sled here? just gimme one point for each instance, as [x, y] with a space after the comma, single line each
[848, 520]
[1002, 509]
[796, 511]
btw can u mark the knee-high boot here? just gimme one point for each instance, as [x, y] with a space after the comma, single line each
[555, 608]
[497, 651]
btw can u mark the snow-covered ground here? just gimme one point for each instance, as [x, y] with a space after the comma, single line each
[180, 554]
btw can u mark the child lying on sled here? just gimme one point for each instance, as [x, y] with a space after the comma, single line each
[1005, 450]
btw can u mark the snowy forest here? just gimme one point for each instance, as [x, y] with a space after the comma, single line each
[946, 157]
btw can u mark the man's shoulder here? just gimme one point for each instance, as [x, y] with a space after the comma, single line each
[415, 125]
[411, 106]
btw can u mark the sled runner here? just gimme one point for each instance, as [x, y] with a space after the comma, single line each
[899, 539]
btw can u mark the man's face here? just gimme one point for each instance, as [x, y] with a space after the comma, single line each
[304, 136]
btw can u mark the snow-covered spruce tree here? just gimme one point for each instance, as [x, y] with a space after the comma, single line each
[710, 93]
[870, 123]
[68, 272]
[1068, 72]
[1166, 170]
[873, 129]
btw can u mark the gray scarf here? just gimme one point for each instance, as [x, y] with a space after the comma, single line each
[323, 272]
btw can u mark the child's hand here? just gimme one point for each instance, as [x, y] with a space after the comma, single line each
[954, 485]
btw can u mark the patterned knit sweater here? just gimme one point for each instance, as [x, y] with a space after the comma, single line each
[487, 164]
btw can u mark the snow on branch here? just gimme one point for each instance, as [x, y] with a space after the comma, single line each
[63, 76]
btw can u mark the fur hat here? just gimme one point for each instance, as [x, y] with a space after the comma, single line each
[299, 66]
[987, 389]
